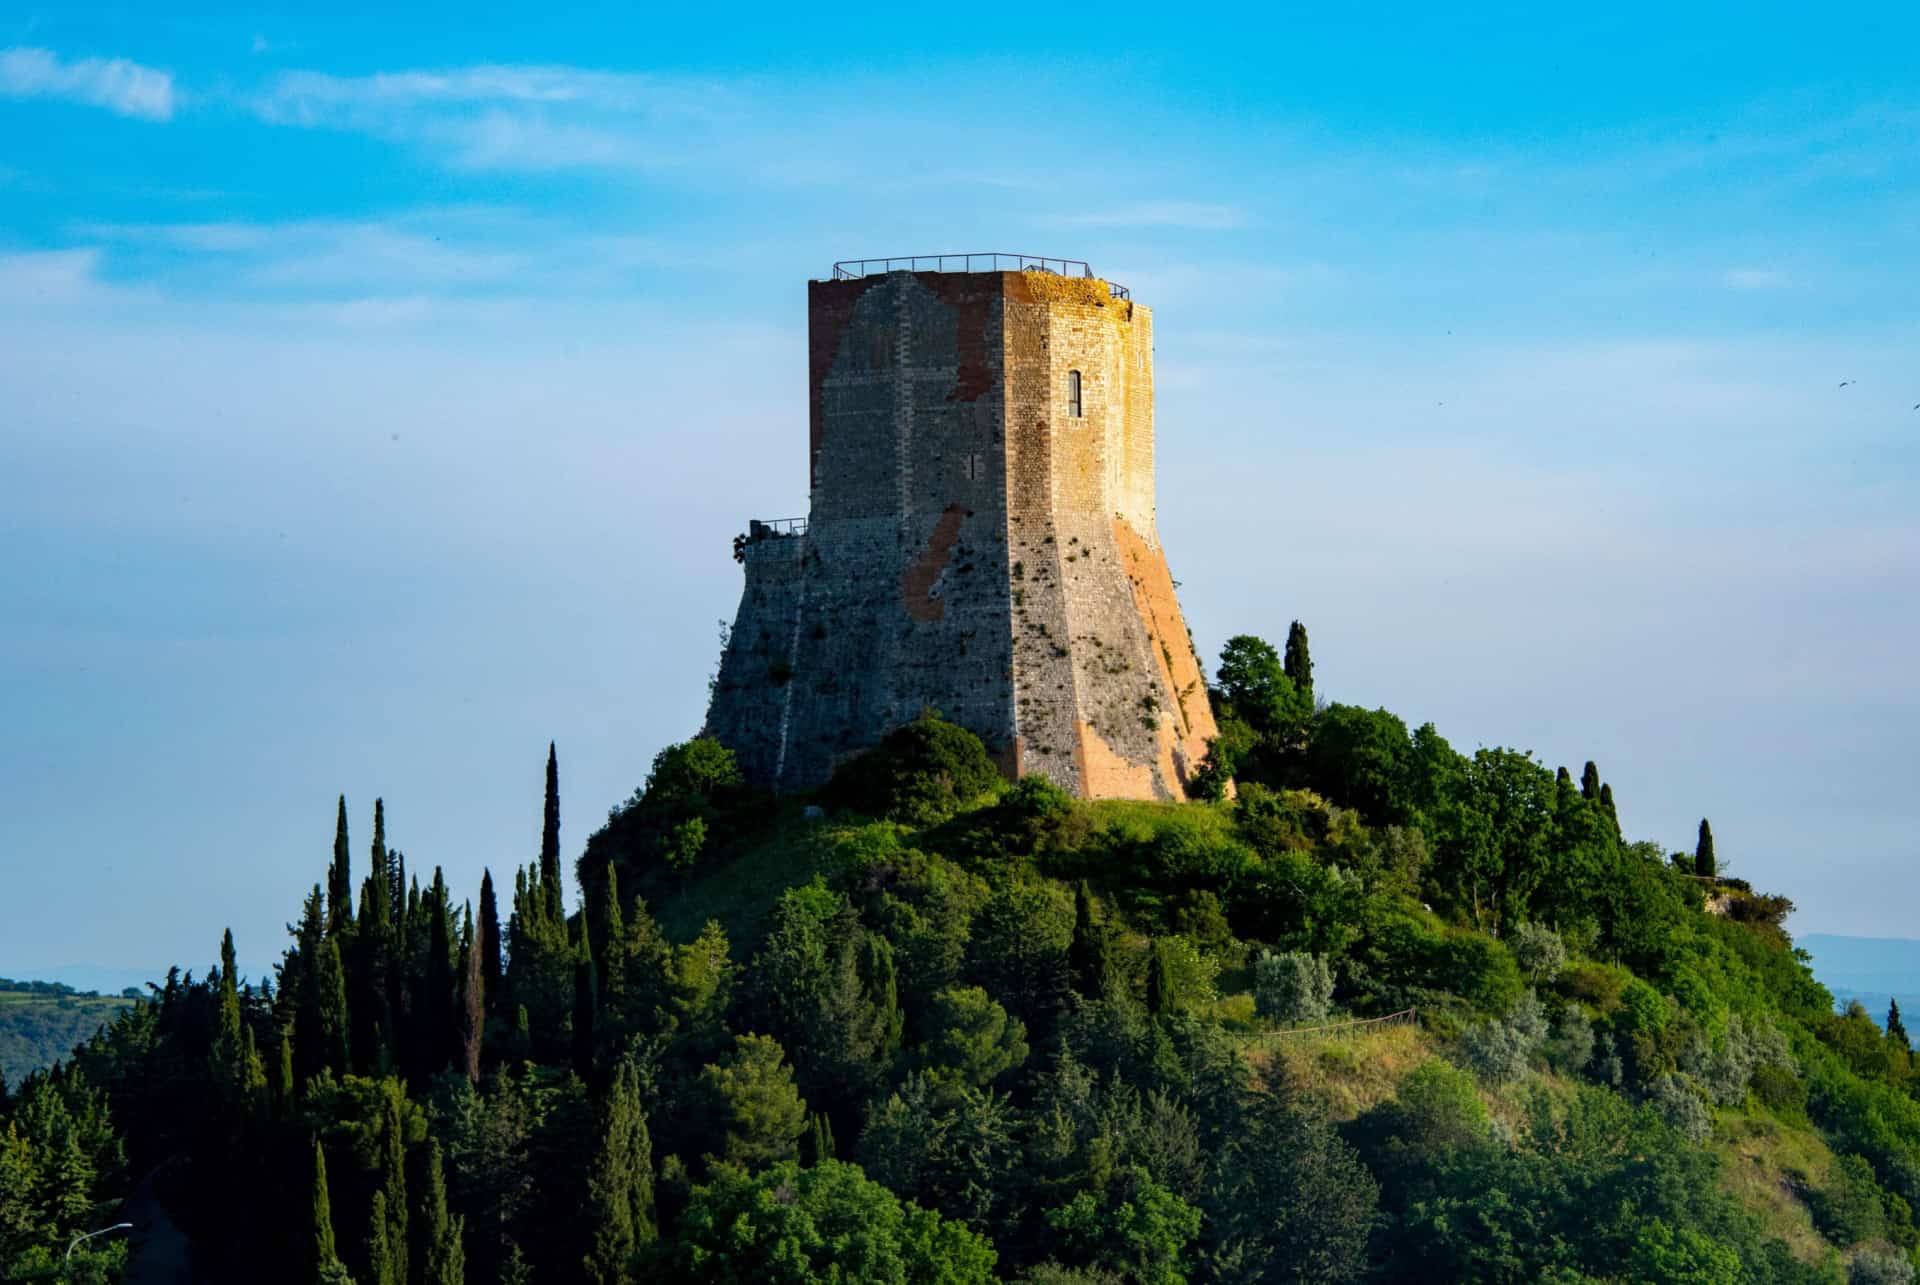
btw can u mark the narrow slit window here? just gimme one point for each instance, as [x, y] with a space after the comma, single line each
[1073, 394]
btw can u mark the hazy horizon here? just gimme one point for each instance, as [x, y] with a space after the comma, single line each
[379, 395]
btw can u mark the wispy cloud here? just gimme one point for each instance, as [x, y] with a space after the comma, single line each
[325, 255]
[116, 84]
[1754, 278]
[312, 97]
[1196, 215]
[511, 117]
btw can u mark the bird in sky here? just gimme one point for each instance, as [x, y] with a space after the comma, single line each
[1845, 382]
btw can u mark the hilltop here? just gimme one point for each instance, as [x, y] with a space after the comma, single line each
[41, 1021]
[1370, 1009]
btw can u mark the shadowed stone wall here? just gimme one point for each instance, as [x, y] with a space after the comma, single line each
[973, 547]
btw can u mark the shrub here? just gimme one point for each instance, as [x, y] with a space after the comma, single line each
[1681, 1107]
[1779, 1090]
[1849, 1208]
[1598, 986]
[1879, 1267]
[920, 774]
[1571, 1047]
[1293, 987]
[1539, 952]
[1501, 1050]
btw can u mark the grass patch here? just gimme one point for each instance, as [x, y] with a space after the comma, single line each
[1764, 1164]
[1350, 1073]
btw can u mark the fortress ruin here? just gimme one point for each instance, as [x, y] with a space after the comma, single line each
[980, 540]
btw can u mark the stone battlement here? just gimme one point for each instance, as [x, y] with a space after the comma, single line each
[977, 261]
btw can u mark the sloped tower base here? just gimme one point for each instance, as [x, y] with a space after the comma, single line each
[981, 543]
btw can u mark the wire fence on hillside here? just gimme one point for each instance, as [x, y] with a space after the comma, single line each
[1405, 1017]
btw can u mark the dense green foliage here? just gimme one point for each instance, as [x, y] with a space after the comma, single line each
[930, 1027]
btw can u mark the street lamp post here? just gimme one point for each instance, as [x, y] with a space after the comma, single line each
[90, 1235]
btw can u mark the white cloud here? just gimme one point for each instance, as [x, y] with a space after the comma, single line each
[1198, 215]
[1754, 278]
[316, 98]
[113, 83]
[500, 117]
[323, 255]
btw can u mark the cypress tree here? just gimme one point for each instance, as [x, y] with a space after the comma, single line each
[379, 1252]
[473, 1019]
[229, 1067]
[818, 1143]
[1606, 805]
[340, 877]
[550, 839]
[1090, 955]
[393, 1182]
[489, 929]
[620, 1182]
[321, 1245]
[522, 1035]
[300, 987]
[1299, 663]
[283, 1073]
[438, 998]
[1896, 1029]
[332, 1027]
[1160, 989]
[441, 1250]
[613, 935]
[1590, 783]
[369, 985]
[253, 1073]
[1703, 862]
[393, 864]
[880, 979]
[585, 996]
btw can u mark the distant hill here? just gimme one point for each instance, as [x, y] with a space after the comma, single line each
[1872, 970]
[40, 1022]
[103, 978]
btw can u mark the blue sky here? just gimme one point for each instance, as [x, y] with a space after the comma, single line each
[378, 396]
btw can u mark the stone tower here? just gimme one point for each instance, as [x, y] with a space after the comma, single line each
[981, 539]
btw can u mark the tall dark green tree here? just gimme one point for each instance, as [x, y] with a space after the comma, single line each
[550, 838]
[1160, 983]
[1703, 860]
[1090, 957]
[369, 989]
[586, 1003]
[321, 1252]
[1590, 783]
[340, 877]
[228, 1065]
[393, 1183]
[380, 1260]
[1299, 662]
[330, 1023]
[620, 1182]
[1896, 1029]
[441, 1251]
[491, 973]
[438, 998]
[300, 986]
[472, 1010]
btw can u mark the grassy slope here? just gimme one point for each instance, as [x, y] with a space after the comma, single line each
[36, 1030]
